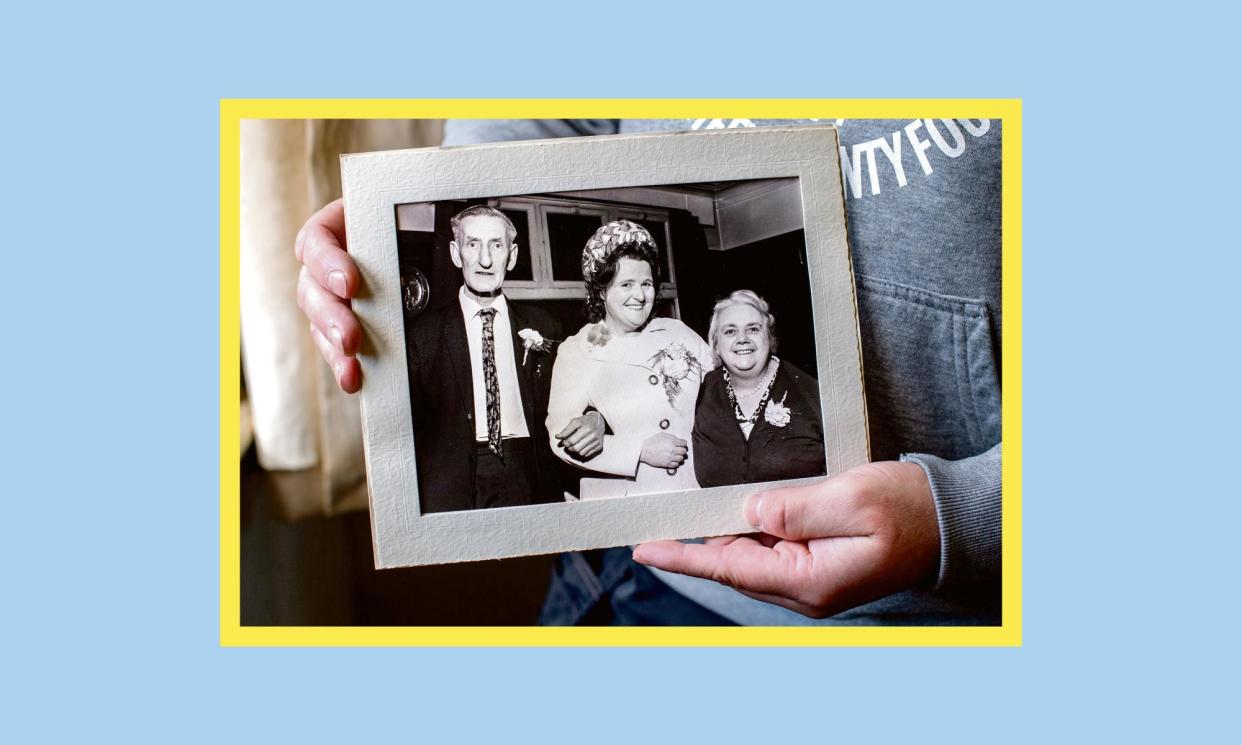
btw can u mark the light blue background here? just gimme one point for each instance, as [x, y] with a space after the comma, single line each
[110, 517]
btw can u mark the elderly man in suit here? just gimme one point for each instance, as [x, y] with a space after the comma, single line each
[479, 375]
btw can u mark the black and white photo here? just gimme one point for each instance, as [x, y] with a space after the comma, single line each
[609, 377]
[615, 358]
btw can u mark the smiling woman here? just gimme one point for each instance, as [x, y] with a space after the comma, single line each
[641, 374]
[758, 418]
[629, 296]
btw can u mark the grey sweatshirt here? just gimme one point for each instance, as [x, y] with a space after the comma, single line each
[923, 199]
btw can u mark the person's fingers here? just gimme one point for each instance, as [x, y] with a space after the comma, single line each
[585, 442]
[582, 445]
[835, 507]
[743, 564]
[320, 246]
[330, 217]
[659, 554]
[329, 314]
[575, 440]
[788, 574]
[726, 540]
[573, 426]
[786, 603]
[763, 539]
[345, 369]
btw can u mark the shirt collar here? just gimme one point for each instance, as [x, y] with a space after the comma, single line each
[470, 307]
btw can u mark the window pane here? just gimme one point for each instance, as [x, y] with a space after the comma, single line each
[521, 270]
[567, 236]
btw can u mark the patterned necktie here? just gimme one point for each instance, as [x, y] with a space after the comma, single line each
[492, 382]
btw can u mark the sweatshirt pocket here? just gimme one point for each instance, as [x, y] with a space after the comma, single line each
[932, 373]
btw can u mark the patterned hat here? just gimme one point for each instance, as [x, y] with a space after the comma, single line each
[609, 238]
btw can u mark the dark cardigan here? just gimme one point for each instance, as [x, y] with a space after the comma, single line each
[724, 456]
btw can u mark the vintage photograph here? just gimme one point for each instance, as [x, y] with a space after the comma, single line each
[609, 343]
[593, 343]
[580, 372]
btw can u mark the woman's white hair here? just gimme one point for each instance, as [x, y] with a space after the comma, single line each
[742, 297]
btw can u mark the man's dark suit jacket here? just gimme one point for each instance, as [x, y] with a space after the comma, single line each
[442, 404]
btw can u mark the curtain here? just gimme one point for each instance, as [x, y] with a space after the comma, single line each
[306, 431]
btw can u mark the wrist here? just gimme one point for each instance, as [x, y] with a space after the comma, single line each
[919, 514]
[967, 498]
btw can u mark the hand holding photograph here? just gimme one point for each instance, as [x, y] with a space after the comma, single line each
[575, 344]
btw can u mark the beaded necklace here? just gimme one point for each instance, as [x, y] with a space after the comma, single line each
[767, 393]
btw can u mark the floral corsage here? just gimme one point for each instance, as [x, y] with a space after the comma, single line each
[777, 413]
[532, 339]
[675, 363]
[599, 335]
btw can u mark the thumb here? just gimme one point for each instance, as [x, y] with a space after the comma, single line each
[828, 509]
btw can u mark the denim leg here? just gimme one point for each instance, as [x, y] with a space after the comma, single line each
[602, 588]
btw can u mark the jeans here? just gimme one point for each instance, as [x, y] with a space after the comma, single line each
[608, 588]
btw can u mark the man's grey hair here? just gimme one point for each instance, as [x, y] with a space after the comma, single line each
[482, 210]
[742, 297]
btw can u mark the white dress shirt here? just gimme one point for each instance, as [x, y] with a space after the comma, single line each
[512, 414]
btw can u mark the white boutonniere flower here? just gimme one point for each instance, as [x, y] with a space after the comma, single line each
[532, 339]
[777, 413]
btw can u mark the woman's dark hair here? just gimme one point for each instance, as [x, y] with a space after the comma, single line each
[597, 283]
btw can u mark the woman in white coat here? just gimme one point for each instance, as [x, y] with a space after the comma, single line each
[641, 373]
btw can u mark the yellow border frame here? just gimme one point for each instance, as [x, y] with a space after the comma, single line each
[232, 633]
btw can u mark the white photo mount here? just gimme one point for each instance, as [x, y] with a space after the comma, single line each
[375, 183]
